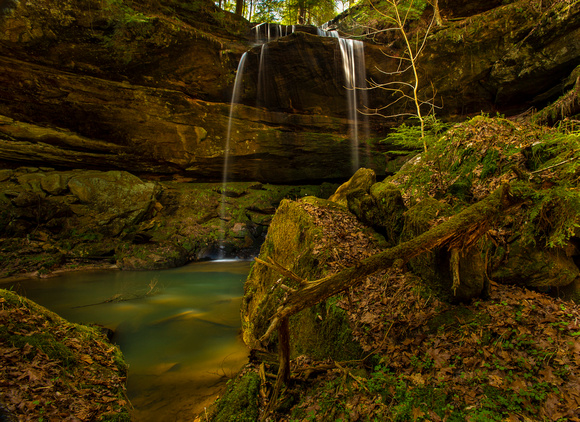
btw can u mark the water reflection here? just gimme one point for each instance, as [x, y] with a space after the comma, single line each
[181, 342]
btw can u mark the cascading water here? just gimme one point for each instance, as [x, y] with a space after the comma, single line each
[353, 65]
[266, 32]
[235, 98]
[261, 77]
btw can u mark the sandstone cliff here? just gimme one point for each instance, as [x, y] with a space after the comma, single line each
[146, 88]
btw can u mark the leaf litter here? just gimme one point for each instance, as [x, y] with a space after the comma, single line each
[512, 356]
[53, 370]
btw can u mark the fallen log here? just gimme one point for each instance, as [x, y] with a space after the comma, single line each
[459, 232]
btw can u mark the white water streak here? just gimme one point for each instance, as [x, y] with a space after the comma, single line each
[353, 66]
[235, 98]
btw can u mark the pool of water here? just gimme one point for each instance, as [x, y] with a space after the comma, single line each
[179, 332]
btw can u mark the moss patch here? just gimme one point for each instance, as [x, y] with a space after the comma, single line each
[240, 401]
[323, 332]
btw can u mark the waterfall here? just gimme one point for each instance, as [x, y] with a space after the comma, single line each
[235, 98]
[260, 94]
[353, 66]
[266, 32]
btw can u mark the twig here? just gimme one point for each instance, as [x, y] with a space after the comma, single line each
[555, 165]
[282, 270]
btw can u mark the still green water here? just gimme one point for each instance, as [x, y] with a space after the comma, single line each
[181, 343]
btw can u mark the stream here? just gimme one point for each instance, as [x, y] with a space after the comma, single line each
[181, 341]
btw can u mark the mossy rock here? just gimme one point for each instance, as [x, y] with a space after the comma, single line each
[295, 242]
[290, 241]
[240, 401]
[363, 179]
[439, 267]
[419, 217]
[73, 358]
[382, 209]
[529, 266]
[322, 331]
[150, 256]
[571, 291]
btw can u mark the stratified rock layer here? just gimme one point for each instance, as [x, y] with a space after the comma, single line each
[147, 89]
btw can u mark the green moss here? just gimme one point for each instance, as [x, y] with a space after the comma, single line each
[323, 332]
[290, 241]
[490, 163]
[240, 402]
[552, 215]
[43, 341]
[461, 189]
[294, 241]
[419, 217]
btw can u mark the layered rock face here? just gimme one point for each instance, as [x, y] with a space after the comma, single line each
[94, 87]
[146, 88]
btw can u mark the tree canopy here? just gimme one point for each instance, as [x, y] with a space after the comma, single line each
[286, 12]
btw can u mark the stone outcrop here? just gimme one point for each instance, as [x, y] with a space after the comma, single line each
[363, 179]
[112, 86]
[298, 241]
[85, 86]
[535, 267]
[52, 219]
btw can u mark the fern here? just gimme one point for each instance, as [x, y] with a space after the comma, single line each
[408, 137]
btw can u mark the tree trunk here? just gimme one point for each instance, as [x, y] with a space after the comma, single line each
[301, 13]
[239, 7]
[438, 20]
[250, 11]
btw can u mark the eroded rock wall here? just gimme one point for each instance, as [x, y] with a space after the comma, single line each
[146, 89]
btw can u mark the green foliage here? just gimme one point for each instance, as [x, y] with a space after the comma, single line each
[383, 13]
[290, 12]
[123, 14]
[408, 136]
[411, 9]
[268, 11]
[553, 215]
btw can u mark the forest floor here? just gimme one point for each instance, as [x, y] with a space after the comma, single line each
[512, 356]
[53, 370]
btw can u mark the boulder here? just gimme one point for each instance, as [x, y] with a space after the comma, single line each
[530, 266]
[150, 256]
[114, 199]
[362, 180]
[50, 183]
[453, 274]
[295, 241]
[382, 208]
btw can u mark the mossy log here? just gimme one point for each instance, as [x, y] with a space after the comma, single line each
[459, 232]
